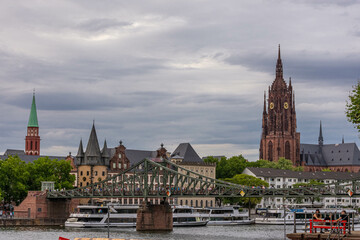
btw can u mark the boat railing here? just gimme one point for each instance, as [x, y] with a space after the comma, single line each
[332, 226]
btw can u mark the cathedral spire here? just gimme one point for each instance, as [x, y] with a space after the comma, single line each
[264, 101]
[279, 68]
[321, 139]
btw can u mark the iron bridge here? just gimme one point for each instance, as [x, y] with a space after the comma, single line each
[163, 179]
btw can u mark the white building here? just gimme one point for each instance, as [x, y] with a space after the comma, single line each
[278, 178]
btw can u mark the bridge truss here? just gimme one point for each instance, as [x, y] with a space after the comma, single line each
[163, 179]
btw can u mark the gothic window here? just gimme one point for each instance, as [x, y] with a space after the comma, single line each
[287, 150]
[114, 165]
[35, 145]
[31, 145]
[270, 151]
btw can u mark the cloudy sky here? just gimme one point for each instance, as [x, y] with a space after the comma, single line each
[151, 72]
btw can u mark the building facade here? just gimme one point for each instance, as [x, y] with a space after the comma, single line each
[278, 178]
[279, 137]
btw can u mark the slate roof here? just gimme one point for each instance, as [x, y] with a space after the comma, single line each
[187, 152]
[26, 158]
[136, 156]
[330, 154]
[270, 172]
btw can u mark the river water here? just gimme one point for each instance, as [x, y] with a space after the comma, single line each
[250, 232]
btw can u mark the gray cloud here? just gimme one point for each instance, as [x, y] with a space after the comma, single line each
[164, 72]
[302, 65]
[101, 24]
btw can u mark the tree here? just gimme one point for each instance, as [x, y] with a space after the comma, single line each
[228, 167]
[13, 179]
[246, 180]
[282, 163]
[46, 169]
[353, 106]
[326, 170]
[311, 183]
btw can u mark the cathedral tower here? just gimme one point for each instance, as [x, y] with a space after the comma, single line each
[32, 139]
[279, 137]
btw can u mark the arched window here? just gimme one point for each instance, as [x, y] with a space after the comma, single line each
[287, 150]
[206, 203]
[270, 151]
[191, 203]
[196, 203]
[180, 202]
[186, 202]
[31, 145]
[35, 145]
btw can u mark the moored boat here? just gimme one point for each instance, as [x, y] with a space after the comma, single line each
[124, 216]
[229, 215]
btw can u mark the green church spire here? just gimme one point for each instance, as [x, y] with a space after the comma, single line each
[33, 121]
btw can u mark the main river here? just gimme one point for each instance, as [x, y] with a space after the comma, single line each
[198, 233]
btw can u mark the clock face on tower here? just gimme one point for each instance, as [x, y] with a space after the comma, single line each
[286, 105]
[271, 105]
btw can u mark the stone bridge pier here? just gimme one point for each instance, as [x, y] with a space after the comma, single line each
[154, 217]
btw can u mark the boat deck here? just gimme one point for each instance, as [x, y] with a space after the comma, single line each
[355, 235]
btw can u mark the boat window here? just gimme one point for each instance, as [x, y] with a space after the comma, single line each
[221, 211]
[182, 210]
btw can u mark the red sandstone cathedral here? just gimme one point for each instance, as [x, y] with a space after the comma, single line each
[279, 137]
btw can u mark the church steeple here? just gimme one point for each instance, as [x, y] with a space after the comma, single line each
[32, 139]
[320, 139]
[33, 121]
[279, 68]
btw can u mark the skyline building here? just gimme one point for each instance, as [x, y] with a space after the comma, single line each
[279, 137]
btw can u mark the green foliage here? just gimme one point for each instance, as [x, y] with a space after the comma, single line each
[353, 106]
[17, 177]
[229, 167]
[13, 178]
[326, 170]
[211, 159]
[46, 169]
[282, 163]
[246, 180]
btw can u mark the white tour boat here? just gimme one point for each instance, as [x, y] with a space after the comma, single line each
[90, 216]
[229, 215]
